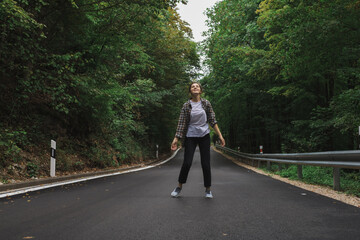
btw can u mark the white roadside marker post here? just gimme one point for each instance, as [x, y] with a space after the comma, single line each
[261, 152]
[52, 159]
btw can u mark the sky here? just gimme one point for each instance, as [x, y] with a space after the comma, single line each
[193, 13]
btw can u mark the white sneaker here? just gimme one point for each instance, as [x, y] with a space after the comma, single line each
[208, 194]
[176, 192]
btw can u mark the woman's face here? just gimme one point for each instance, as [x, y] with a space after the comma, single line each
[195, 89]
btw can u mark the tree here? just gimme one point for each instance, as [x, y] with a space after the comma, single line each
[103, 73]
[280, 69]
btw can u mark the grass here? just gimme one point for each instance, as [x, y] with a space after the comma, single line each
[349, 179]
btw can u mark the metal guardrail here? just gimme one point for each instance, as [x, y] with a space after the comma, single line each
[335, 159]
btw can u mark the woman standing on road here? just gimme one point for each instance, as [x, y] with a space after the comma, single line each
[195, 115]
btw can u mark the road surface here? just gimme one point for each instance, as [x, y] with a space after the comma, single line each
[138, 205]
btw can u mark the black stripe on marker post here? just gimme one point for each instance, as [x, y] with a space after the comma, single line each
[53, 153]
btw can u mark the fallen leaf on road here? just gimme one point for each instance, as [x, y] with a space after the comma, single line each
[30, 237]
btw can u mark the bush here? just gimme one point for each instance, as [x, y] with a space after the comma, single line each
[349, 179]
[32, 169]
[10, 142]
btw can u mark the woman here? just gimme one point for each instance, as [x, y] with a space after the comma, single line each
[193, 126]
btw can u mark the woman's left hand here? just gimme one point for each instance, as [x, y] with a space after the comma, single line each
[217, 130]
[222, 140]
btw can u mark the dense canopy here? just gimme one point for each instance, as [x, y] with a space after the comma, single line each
[285, 74]
[105, 79]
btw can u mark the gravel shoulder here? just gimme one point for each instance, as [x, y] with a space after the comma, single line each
[322, 190]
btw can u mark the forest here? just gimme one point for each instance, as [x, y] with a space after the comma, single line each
[107, 79]
[285, 74]
[104, 79]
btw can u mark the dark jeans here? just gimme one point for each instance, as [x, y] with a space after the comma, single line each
[190, 146]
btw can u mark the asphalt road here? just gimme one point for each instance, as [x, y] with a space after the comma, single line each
[138, 205]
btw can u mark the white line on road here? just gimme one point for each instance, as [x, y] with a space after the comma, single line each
[51, 185]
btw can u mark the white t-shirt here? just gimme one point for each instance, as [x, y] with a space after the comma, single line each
[198, 127]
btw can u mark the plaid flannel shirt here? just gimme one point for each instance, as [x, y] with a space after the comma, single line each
[185, 115]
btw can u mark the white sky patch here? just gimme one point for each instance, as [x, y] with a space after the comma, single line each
[194, 14]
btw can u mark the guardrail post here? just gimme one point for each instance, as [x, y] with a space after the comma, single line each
[268, 166]
[280, 168]
[336, 177]
[299, 172]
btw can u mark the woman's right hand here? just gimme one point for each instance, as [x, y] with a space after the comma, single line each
[174, 144]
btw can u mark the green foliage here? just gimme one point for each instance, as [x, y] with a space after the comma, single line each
[32, 169]
[78, 166]
[350, 182]
[289, 172]
[10, 145]
[349, 179]
[101, 74]
[283, 75]
[63, 162]
[346, 108]
[4, 180]
[101, 158]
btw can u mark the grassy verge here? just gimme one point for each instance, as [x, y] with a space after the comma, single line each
[349, 179]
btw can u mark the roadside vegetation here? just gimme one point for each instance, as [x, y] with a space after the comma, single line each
[105, 79]
[349, 179]
[285, 74]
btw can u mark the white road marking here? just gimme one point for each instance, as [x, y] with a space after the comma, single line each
[10, 193]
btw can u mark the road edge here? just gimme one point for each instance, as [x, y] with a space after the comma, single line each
[322, 190]
[26, 187]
